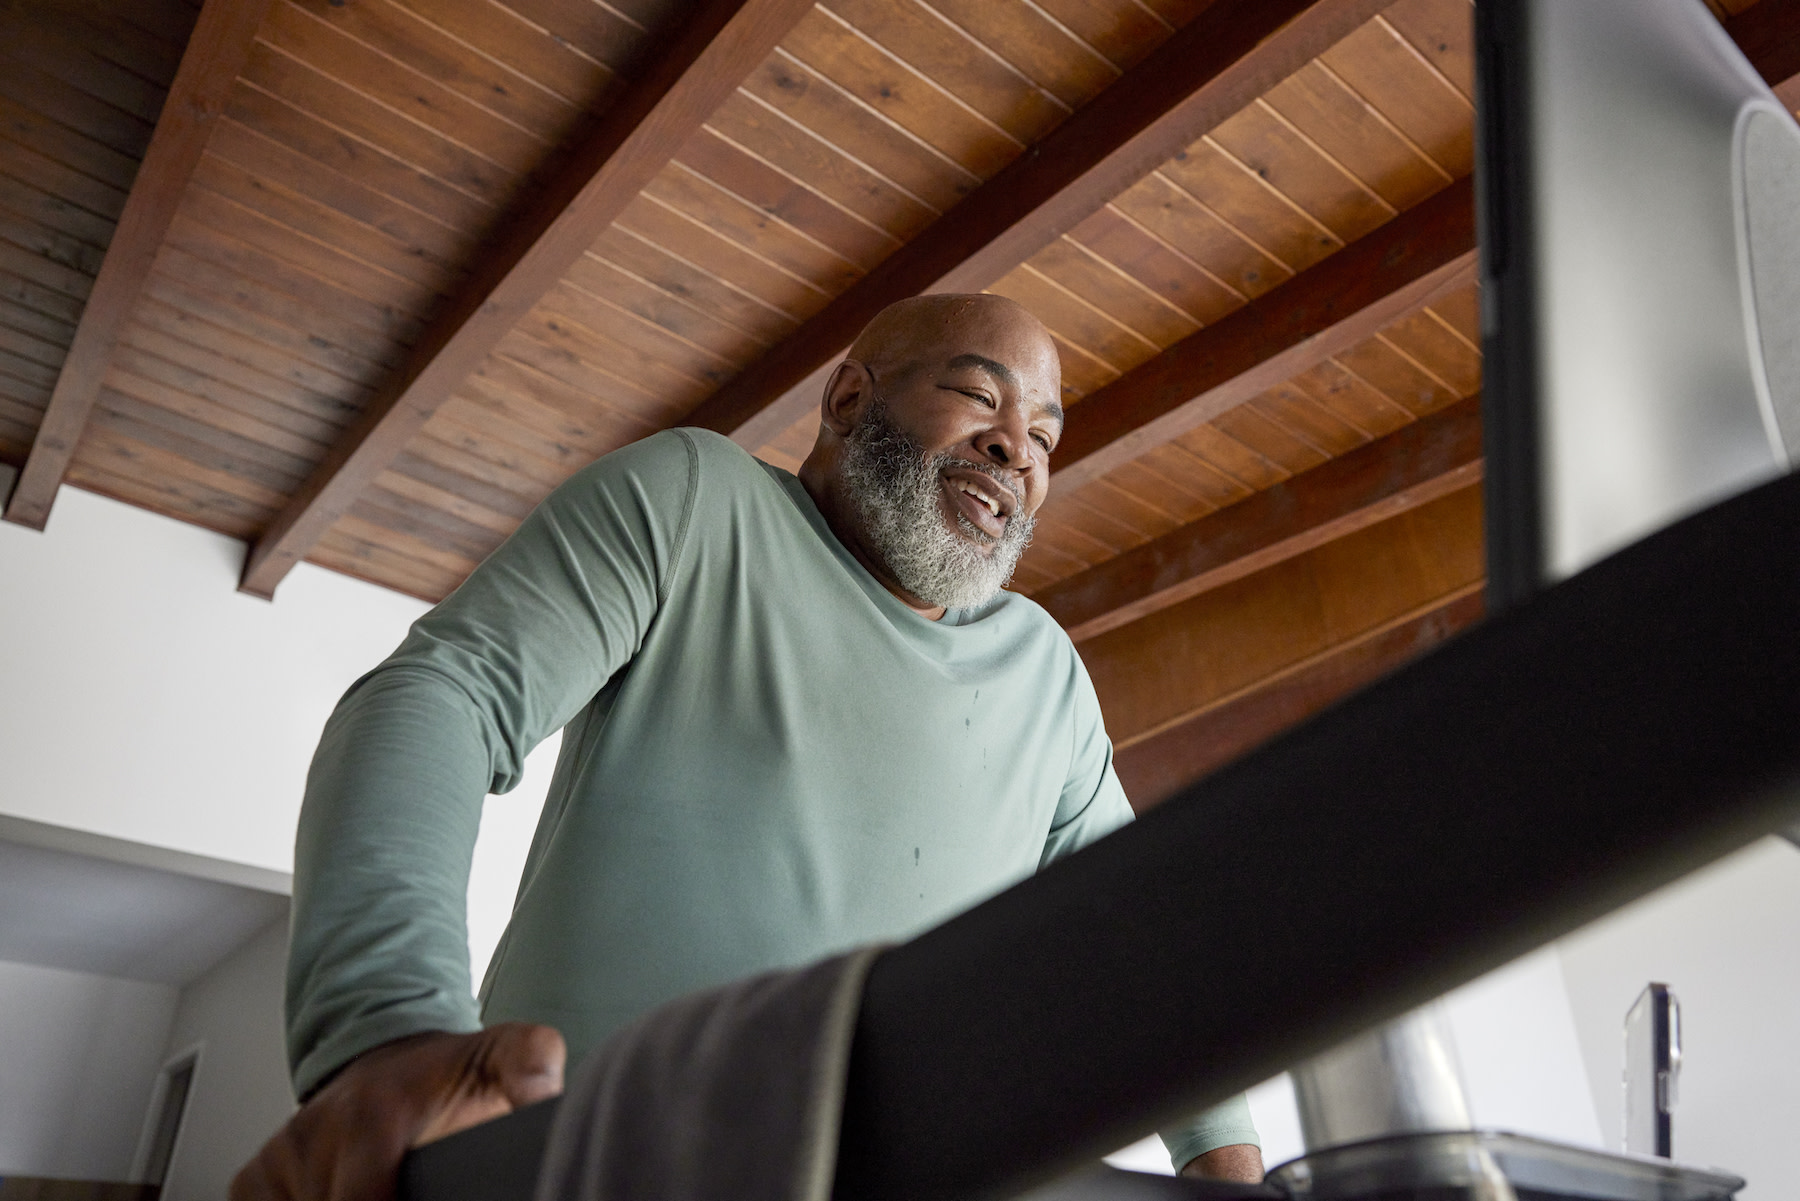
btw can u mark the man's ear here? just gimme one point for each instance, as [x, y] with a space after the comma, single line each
[847, 395]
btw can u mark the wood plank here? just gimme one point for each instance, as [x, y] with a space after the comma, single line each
[386, 321]
[1161, 669]
[482, 75]
[1768, 32]
[711, 53]
[799, 153]
[792, 88]
[1403, 470]
[1206, 72]
[532, 50]
[220, 44]
[84, 68]
[1157, 767]
[71, 188]
[1427, 252]
[241, 362]
[789, 248]
[44, 242]
[1172, 276]
[1274, 150]
[786, 198]
[21, 296]
[170, 379]
[1356, 136]
[311, 90]
[266, 158]
[1123, 32]
[319, 40]
[383, 567]
[680, 278]
[1034, 43]
[114, 465]
[25, 85]
[605, 280]
[110, 35]
[1173, 214]
[308, 220]
[959, 64]
[1388, 72]
[1443, 32]
[375, 167]
[150, 391]
[901, 93]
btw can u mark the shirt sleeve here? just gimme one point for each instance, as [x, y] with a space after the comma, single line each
[394, 795]
[1225, 1124]
[1093, 804]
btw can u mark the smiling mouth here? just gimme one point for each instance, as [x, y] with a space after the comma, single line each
[982, 514]
[980, 496]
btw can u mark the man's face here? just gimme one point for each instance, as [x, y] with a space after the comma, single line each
[949, 460]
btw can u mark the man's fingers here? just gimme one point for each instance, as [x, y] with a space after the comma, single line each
[507, 1066]
[528, 1062]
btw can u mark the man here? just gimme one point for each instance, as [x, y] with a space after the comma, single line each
[800, 715]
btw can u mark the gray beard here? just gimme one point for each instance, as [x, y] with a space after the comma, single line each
[897, 491]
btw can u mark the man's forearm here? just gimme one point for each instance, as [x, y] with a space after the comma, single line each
[393, 806]
[1239, 1161]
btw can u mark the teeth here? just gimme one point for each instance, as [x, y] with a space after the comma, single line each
[992, 504]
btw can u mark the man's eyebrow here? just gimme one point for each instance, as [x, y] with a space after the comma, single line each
[998, 370]
[1005, 375]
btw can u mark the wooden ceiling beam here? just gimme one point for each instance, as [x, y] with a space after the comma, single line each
[1768, 32]
[216, 52]
[714, 50]
[1207, 71]
[1410, 467]
[1420, 256]
[1159, 766]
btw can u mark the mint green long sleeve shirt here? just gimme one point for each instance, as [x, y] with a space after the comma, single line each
[767, 758]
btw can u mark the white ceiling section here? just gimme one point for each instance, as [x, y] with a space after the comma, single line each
[109, 909]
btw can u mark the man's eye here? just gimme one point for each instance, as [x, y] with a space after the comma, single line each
[982, 397]
[1042, 440]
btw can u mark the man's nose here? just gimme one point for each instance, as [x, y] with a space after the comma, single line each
[1007, 443]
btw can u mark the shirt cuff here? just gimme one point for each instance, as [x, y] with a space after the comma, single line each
[1224, 1125]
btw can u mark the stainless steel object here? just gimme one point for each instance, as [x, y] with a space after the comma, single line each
[1458, 1165]
[1399, 1078]
[1641, 275]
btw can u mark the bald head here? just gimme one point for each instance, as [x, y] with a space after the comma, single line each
[924, 330]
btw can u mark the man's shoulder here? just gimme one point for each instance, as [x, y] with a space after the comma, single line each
[1030, 622]
[681, 454]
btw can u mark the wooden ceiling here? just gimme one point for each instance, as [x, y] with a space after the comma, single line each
[379, 274]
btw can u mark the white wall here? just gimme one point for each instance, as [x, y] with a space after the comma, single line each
[240, 1093]
[1520, 1055]
[146, 699]
[1727, 941]
[78, 1056]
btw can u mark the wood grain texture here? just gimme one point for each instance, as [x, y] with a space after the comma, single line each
[1211, 68]
[1768, 32]
[220, 45]
[1157, 767]
[715, 49]
[1426, 253]
[1159, 671]
[1412, 466]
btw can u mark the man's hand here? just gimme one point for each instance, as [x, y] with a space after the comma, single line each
[346, 1143]
[1239, 1161]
